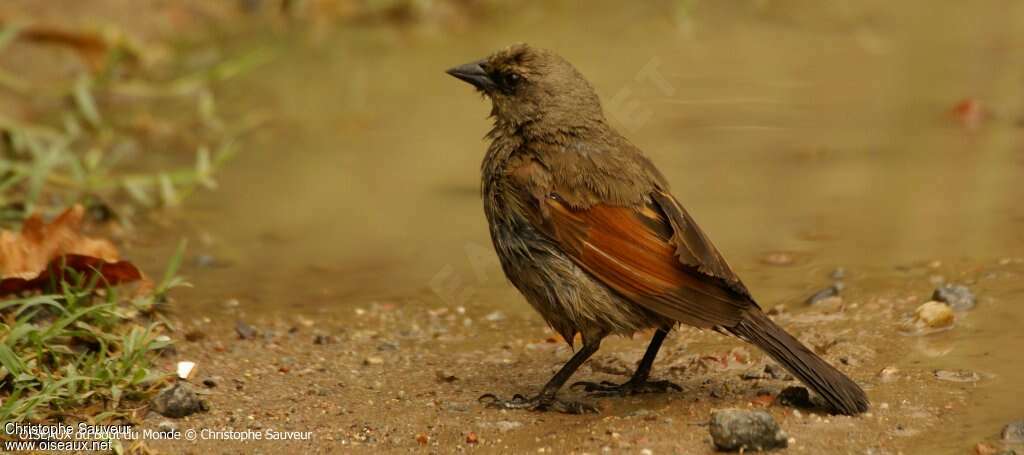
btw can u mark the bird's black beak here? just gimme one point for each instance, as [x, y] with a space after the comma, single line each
[473, 73]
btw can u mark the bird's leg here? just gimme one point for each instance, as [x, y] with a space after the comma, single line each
[546, 399]
[638, 383]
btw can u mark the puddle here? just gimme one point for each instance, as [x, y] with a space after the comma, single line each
[822, 131]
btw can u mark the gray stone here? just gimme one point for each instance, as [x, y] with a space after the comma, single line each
[245, 331]
[958, 296]
[737, 429]
[1013, 432]
[178, 400]
[166, 426]
[827, 293]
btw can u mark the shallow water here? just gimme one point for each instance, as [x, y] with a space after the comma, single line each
[823, 131]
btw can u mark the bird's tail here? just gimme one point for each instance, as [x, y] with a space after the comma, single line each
[845, 396]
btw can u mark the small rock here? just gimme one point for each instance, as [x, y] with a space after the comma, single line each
[212, 381]
[958, 296]
[984, 449]
[888, 374]
[178, 400]
[444, 376]
[737, 429]
[166, 426]
[422, 438]
[778, 258]
[322, 339]
[495, 316]
[838, 273]
[770, 371]
[205, 261]
[775, 371]
[1014, 432]
[752, 375]
[827, 293]
[987, 449]
[795, 396]
[373, 360]
[245, 331]
[472, 438]
[957, 375]
[507, 425]
[934, 315]
[387, 346]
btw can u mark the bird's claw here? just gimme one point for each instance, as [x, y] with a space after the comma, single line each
[538, 403]
[630, 387]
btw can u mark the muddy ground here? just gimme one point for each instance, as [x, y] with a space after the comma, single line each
[404, 375]
[345, 286]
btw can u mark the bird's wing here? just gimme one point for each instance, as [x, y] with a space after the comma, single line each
[653, 254]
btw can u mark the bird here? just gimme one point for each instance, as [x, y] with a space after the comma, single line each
[585, 227]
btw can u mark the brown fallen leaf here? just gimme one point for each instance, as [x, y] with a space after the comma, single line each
[92, 47]
[110, 273]
[43, 252]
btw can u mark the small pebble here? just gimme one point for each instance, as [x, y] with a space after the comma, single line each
[824, 294]
[444, 376]
[322, 339]
[737, 429]
[178, 400]
[245, 331]
[775, 371]
[778, 258]
[934, 315]
[507, 425]
[958, 296]
[888, 374]
[957, 375]
[1014, 432]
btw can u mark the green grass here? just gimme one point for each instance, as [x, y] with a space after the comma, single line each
[76, 152]
[82, 350]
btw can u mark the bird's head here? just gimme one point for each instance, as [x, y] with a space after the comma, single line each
[531, 85]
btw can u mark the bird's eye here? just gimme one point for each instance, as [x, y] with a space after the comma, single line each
[508, 81]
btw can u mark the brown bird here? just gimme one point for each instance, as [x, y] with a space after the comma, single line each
[586, 229]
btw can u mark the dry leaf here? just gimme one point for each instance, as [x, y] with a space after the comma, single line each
[41, 253]
[93, 48]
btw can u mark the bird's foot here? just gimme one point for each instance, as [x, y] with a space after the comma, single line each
[540, 402]
[630, 387]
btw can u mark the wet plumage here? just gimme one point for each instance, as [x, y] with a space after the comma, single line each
[587, 230]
